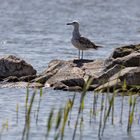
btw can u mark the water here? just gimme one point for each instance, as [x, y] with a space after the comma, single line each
[56, 99]
[36, 31]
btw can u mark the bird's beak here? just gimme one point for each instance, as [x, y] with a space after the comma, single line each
[69, 23]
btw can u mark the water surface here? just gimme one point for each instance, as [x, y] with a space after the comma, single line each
[36, 31]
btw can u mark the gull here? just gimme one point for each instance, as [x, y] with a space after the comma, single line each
[80, 42]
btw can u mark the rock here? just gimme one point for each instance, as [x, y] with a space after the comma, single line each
[110, 86]
[11, 79]
[129, 76]
[61, 86]
[106, 75]
[124, 51]
[72, 75]
[120, 72]
[1, 79]
[42, 78]
[93, 67]
[54, 66]
[20, 85]
[122, 65]
[73, 88]
[130, 60]
[58, 86]
[13, 66]
[28, 78]
[69, 75]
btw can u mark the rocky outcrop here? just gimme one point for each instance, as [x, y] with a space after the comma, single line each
[69, 75]
[120, 72]
[123, 66]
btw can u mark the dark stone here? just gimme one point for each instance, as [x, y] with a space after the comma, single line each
[43, 78]
[11, 79]
[27, 78]
[129, 76]
[13, 66]
[74, 82]
[73, 88]
[124, 51]
[131, 60]
[59, 86]
[132, 77]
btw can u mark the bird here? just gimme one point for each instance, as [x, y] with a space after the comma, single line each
[80, 42]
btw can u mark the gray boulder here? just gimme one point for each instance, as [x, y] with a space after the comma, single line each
[130, 60]
[69, 75]
[128, 77]
[122, 65]
[13, 66]
[124, 51]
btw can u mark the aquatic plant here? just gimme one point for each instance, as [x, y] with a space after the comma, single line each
[102, 111]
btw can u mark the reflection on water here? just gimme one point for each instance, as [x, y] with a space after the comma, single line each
[36, 31]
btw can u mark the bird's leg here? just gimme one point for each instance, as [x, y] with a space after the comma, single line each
[82, 54]
[78, 54]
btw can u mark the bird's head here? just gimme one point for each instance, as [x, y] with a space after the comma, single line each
[74, 23]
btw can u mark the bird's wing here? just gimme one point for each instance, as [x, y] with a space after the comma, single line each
[87, 43]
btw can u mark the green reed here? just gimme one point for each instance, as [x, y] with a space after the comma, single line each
[111, 103]
[132, 104]
[81, 106]
[63, 115]
[49, 122]
[27, 98]
[101, 115]
[5, 126]
[95, 98]
[67, 110]
[58, 121]
[38, 108]
[124, 87]
[17, 112]
[28, 115]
